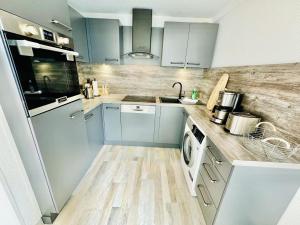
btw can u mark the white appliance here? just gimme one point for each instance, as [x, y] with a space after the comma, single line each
[194, 142]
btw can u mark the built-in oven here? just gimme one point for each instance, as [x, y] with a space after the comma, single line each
[44, 63]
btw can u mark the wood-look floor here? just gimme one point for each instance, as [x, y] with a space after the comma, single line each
[133, 186]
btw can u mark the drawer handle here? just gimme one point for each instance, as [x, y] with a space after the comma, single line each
[112, 107]
[217, 161]
[177, 63]
[194, 64]
[75, 114]
[61, 24]
[111, 60]
[89, 116]
[210, 173]
[206, 201]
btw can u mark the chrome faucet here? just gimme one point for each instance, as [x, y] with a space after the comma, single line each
[180, 90]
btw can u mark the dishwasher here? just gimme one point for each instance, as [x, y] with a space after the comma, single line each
[138, 123]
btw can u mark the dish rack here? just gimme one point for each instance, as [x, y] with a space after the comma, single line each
[267, 142]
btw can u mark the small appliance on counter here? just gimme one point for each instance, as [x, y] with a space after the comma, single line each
[240, 123]
[228, 101]
[88, 90]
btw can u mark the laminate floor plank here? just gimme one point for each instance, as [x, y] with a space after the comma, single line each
[129, 185]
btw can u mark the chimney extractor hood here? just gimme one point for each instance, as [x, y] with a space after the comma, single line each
[141, 33]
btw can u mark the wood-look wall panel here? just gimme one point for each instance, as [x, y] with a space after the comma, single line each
[271, 91]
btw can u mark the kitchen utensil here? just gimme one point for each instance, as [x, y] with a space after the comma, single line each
[240, 123]
[215, 93]
[88, 92]
[268, 142]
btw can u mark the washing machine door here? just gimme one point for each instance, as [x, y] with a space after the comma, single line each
[187, 150]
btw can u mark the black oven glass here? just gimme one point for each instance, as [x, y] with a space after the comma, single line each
[46, 76]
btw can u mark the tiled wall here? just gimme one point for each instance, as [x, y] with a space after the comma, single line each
[271, 91]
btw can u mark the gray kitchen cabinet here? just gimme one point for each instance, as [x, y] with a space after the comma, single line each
[175, 44]
[62, 140]
[79, 35]
[170, 125]
[94, 126]
[201, 44]
[103, 40]
[112, 123]
[138, 123]
[189, 44]
[41, 12]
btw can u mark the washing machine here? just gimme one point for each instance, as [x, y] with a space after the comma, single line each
[193, 145]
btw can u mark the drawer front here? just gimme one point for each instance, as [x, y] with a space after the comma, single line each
[212, 179]
[205, 201]
[218, 160]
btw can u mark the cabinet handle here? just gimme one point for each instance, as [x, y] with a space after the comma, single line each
[204, 196]
[89, 116]
[177, 63]
[75, 114]
[215, 159]
[61, 24]
[79, 57]
[111, 60]
[112, 107]
[210, 173]
[194, 64]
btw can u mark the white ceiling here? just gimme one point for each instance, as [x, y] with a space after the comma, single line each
[172, 8]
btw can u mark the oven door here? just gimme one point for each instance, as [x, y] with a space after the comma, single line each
[47, 75]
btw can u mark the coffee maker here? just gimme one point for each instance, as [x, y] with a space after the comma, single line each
[228, 101]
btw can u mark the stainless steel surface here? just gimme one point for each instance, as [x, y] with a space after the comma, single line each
[221, 114]
[30, 45]
[210, 173]
[137, 98]
[17, 25]
[169, 100]
[141, 33]
[218, 160]
[241, 123]
[88, 93]
[216, 120]
[227, 99]
[61, 24]
[204, 195]
[75, 114]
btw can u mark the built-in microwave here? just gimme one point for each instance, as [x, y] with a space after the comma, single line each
[44, 63]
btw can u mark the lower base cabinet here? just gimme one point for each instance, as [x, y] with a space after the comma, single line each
[112, 123]
[170, 124]
[94, 125]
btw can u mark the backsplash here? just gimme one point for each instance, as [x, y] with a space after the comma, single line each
[142, 79]
[271, 91]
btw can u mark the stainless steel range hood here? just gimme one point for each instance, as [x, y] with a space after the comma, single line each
[141, 33]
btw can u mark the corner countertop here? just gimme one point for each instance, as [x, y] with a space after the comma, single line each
[230, 146]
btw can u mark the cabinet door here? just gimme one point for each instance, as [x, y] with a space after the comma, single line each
[112, 122]
[104, 40]
[170, 125]
[62, 140]
[201, 44]
[41, 12]
[175, 44]
[79, 35]
[94, 125]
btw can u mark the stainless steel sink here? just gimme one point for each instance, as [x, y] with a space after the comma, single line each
[169, 100]
[137, 98]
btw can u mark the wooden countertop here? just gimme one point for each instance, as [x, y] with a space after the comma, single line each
[229, 145]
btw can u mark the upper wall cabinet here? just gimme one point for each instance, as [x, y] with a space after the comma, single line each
[189, 44]
[103, 40]
[175, 44]
[79, 35]
[41, 12]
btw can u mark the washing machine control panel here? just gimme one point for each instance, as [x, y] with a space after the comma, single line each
[198, 134]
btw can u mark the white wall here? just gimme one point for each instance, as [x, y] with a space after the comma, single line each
[259, 32]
